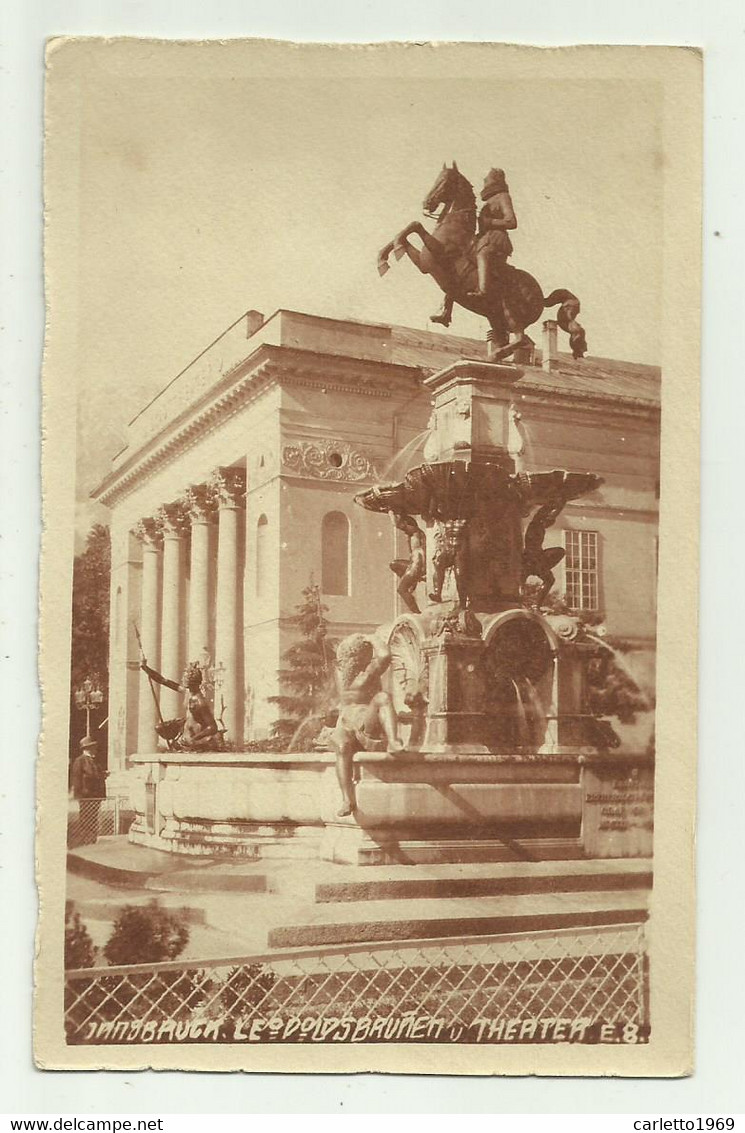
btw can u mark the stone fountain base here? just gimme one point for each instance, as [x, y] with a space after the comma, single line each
[413, 808]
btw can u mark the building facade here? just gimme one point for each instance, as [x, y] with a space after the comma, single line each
[236, 488]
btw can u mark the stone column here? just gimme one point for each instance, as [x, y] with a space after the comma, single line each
[173, 525]
[229, 486]
[147, 715]
[199, 504]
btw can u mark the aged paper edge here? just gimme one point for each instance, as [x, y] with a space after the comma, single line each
[669, 1052]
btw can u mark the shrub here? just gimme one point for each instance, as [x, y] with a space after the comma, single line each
[145, 935]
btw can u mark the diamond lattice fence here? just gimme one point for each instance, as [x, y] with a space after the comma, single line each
[91, 819]
[582, 985]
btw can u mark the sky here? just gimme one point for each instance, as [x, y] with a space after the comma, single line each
[206, 191]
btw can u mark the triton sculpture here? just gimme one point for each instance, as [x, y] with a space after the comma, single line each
[539, 561]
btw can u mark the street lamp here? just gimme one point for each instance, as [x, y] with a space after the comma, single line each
[88, 696]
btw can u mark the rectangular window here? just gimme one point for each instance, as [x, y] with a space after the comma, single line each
[581, 570]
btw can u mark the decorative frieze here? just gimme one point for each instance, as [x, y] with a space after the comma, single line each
[328, 460]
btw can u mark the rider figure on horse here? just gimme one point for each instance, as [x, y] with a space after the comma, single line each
[495, 219]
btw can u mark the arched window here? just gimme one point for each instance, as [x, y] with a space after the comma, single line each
[262, 555]
[335, 553]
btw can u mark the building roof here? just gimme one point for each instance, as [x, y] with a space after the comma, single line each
[430, 350]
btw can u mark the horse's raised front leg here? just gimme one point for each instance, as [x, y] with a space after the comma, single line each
[400, 242]
[413, 253]
[383, 254]
[400, 246]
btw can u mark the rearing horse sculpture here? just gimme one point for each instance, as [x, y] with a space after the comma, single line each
[514, 301]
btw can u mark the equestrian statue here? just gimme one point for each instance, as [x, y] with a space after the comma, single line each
[468, 262]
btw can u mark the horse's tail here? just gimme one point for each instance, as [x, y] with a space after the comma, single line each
[566, 317]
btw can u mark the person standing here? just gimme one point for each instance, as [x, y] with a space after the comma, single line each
[88, 789]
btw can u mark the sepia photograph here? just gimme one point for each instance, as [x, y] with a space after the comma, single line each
[365, 385]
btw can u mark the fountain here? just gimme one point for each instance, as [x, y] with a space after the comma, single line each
[490, 691]
[502, 757]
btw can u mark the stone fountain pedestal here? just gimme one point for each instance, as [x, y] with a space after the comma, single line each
[472, 786]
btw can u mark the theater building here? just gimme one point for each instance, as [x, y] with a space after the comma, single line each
[235, 487]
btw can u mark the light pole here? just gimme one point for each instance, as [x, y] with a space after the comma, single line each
[87, 697]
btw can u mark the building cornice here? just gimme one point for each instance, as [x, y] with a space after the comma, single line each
[245, 382]
[290, 366]
[182, 435]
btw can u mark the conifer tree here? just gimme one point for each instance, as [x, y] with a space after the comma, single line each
[307, 678]
[90, 608]
[80, 951]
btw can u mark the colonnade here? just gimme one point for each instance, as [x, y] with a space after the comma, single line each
[175, 619]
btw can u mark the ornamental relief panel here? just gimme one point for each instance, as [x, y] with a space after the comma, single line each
[328, 460]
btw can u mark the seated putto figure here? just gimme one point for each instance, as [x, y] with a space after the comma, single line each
[197, 730]
[367, 718]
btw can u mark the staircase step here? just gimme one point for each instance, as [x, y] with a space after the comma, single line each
[113, 861]
[363, 921]
[216, 880]
[486, 880]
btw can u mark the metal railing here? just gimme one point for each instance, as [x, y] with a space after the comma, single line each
[91, 819]
[568, 985]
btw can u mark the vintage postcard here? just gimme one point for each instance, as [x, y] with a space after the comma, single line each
[370, 558]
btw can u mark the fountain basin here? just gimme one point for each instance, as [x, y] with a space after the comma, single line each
[413, 807]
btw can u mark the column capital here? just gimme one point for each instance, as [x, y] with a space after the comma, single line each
[172, 520]
[148, 532]
[228, 487]
[198, 502]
